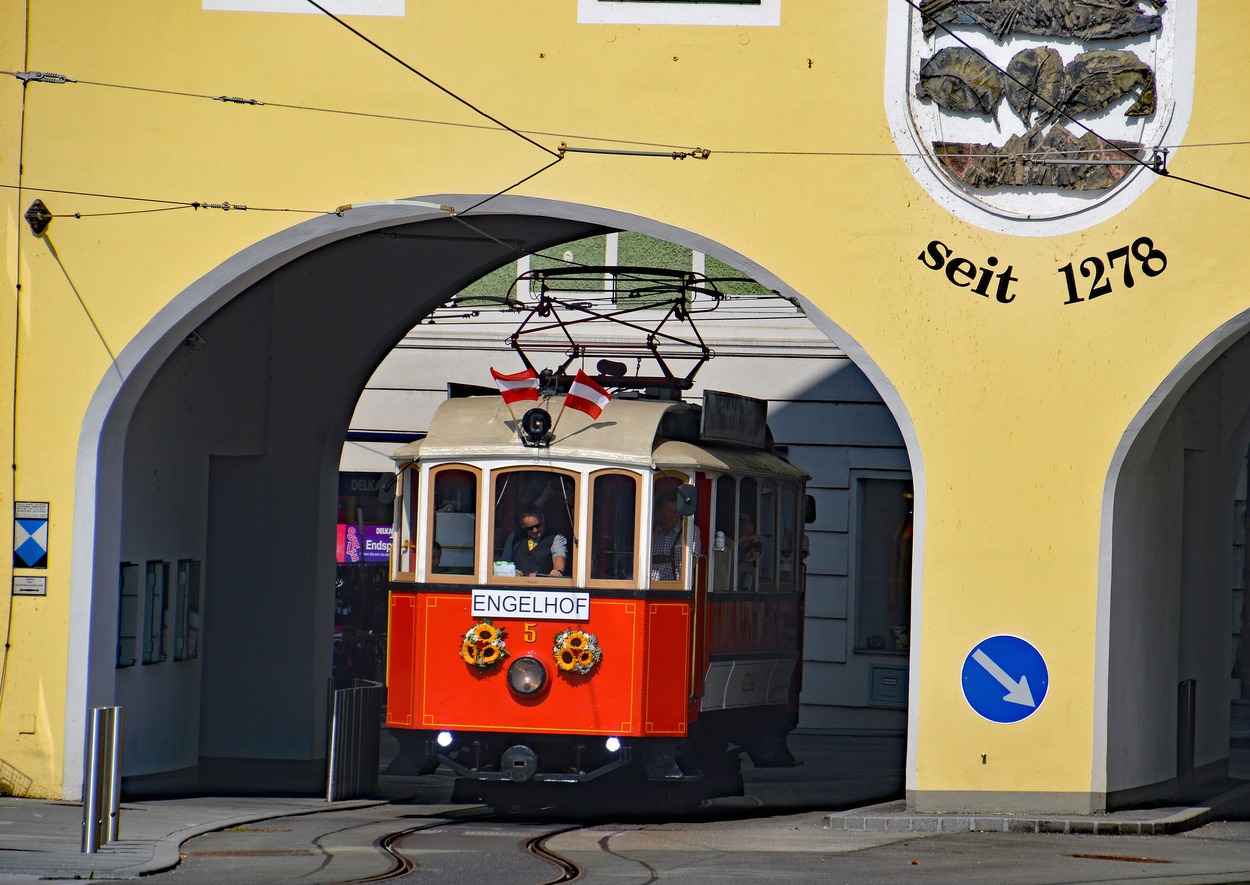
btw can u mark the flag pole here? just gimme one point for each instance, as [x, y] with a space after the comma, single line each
[563, 406]
[516, 425]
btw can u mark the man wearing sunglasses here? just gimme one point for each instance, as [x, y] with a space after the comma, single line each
[536, 553]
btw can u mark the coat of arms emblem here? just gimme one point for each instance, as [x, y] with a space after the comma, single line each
[1037, 109]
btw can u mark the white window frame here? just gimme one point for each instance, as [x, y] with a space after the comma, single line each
[393, 8]
[613, 12]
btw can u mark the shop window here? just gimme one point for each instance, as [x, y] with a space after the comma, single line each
[613, 526]
[187, 611]
[127, 613]
[535, 512]
[454, 521]
[882, 547]
[155, 612]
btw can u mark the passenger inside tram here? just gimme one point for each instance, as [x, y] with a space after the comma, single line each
[668, 535]
[750, 549]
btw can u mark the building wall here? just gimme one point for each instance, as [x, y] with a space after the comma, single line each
[1017, 406]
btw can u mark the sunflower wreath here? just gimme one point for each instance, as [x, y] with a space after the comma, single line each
[483, 645]
[577, 651]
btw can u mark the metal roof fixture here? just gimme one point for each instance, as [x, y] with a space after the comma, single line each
[600, 312]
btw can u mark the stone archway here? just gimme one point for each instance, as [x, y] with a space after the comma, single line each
[216, 441]
[1166, 578]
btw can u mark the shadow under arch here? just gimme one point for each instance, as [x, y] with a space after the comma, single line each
[1165, 562]
[319, 255]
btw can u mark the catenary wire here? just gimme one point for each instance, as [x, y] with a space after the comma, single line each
[429, 80]
[1130, 157]
[399, 118]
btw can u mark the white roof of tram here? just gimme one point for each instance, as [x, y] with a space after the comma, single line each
[481, 427]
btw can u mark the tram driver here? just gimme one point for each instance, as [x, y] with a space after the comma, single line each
[537, 553]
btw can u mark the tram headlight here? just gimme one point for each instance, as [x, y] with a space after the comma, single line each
[527, 676]
[613, 744]
[444, 739]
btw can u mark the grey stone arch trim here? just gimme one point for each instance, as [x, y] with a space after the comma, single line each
[98, 476]
[1141, 434]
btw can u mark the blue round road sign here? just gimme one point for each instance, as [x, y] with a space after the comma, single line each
[1005, 679]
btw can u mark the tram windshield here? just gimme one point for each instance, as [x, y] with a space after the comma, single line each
[534, 513]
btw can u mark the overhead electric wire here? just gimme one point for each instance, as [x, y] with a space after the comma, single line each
[512, 186]
[399, 118]
[429, 80]
[1157, 168]
[172, 204]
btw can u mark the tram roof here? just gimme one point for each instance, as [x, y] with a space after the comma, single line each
[627, 433]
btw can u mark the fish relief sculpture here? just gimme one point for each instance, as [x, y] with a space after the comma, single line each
[1035, 108]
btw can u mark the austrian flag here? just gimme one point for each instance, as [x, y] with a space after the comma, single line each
[586, 396]
[518, 386]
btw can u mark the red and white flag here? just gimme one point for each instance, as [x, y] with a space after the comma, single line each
[518, 386]
[586, 396]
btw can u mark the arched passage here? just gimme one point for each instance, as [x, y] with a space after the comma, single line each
[1167, 576]
[216, 443]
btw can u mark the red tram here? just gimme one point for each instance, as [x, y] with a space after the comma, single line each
[662, 643]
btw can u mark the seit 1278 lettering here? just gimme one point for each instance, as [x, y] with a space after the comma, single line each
[1117, 268]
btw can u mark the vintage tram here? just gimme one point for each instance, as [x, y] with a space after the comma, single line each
[666, 642]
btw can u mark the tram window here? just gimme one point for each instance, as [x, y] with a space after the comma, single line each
[455, 519]
[550, 500]
[725, 531]
[767, 528]
[613, 526]
[669, 531]
[404, 544]
[882, 565]
[787, 537]
[750, 541]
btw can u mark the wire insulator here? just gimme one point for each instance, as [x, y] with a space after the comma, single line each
[42, 77]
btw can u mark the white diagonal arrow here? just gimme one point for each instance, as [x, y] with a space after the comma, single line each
[1017, 692]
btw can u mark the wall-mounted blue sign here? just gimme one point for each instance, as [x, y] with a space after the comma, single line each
[1005, 679]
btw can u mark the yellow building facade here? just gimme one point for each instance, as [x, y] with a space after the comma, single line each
[252, 200]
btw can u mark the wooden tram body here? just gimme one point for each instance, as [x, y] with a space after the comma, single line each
[680, 658]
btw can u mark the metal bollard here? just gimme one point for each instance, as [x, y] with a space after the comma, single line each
[355, 730]
[101, 781]
[1186, 719]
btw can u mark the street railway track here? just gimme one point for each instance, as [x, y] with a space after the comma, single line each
[408, 866]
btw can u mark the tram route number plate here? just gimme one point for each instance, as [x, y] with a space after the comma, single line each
[541, 605]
